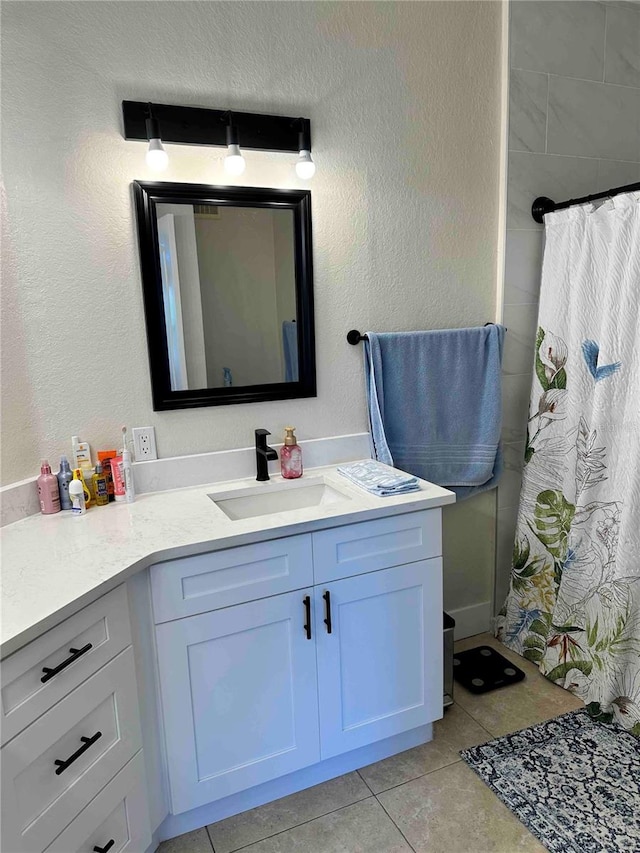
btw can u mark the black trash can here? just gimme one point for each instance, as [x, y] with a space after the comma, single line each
[448, 624]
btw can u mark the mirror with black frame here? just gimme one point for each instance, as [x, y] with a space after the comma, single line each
[228, 291]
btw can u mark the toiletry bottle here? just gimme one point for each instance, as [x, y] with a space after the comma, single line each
[64, 478]
[48, 492]
[127, 470]
[87, 477]
[78, 476]
[227, 378]
[117, 472]
[105, 456]
[100, 490]
[76, 494]
[291, 456]
[81, 452]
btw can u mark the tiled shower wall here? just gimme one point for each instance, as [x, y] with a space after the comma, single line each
[574, 129]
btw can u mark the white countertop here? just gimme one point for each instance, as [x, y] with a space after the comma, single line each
[54, 565]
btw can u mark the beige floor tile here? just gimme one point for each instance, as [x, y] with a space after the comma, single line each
[452, 811]
[191, 842]
[524, 704]
[248, 827]
[361, 828]
[456, 731]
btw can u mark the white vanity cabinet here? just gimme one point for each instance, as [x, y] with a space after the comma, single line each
[347, 652]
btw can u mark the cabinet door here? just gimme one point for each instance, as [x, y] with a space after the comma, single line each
[239, 697]
[380, 668]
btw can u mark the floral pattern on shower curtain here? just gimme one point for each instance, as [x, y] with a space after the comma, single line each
[574, 601]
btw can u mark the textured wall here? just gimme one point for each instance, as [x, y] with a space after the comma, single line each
[574, 129]
[404, 101]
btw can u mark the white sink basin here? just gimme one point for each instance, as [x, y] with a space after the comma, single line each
[270, 498]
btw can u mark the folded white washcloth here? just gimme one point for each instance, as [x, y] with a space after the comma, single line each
[378, 479]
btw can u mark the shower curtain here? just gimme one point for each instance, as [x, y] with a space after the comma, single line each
[574, 601]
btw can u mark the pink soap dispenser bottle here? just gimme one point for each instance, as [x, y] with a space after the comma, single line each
[291, 456]
[48, 491]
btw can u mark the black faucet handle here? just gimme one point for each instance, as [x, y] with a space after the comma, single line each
[261, 437]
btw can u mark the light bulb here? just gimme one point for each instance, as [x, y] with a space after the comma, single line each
[157, 157]
[234, 162]
[305, 167]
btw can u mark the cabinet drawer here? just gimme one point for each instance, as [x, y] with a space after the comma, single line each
[118, 817]
[223, 578]
[52, 769]
[72, 651]
[371, 545]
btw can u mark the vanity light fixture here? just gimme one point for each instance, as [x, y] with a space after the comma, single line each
[234, 162]
[305, 167]
[223, 128]
[157, 157]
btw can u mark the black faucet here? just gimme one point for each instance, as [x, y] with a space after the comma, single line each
[263, 454]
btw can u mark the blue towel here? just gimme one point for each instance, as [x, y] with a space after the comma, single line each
[435, 405]
[377, 479]
[290, 350]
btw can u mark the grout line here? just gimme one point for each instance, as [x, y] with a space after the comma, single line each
[365, 782]
[503, 177]
[604, 47]
[464, 710]
[523, 304]
[209, 837]
[302, 822]
[581, 79]
[411, 847]
[528, 230]
[508, 506]
[546, 126]
[421, 775]
[572, 156]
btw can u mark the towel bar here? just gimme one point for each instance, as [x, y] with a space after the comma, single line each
[354, 337]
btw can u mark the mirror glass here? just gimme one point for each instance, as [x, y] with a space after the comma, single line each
[228, 290]
[228, 282]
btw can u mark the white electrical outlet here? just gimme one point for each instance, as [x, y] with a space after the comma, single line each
[144, 443]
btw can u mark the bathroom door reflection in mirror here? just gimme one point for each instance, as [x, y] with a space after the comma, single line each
[228, 293]
[229, 289]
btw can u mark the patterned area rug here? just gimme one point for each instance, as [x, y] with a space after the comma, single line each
[574, 782]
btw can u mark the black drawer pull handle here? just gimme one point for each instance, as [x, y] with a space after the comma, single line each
[86, 743]
[106, 847]
[307, 609]
[327, 601]
[75, 654]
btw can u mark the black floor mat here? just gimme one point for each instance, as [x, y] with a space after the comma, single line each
[483, 669]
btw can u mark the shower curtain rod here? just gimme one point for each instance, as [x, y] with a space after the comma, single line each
[544, 205]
